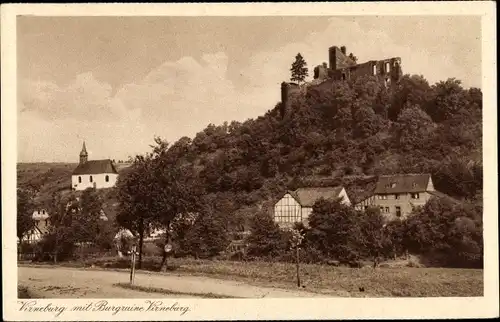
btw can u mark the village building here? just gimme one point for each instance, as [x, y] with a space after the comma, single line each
[95, 174]
[40, 227]
[296, 206]
[397, 195]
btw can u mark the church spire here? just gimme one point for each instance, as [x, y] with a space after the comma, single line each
[83, 154]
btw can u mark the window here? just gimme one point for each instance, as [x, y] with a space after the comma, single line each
[398, 211]
[382, 197]
[43, 212]
[393, 184]
[387, 67]
[106, 178]
[381, 209]
[366, 207]
[396, 196]
[415, 196]
[343, 76]
[90, 178]
[386, 210]
[413, 184]
[374, 68]
[79, 179]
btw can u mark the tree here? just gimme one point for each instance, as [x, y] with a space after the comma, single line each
[72, 221]
[265, 237]
[415, 128]
[299, 69]
[374, 240]
[136, 193]
[208, 236]
[447, 232]
[25, 208]
[335, 230]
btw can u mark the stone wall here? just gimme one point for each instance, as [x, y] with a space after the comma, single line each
[290, 92]
[341, 68]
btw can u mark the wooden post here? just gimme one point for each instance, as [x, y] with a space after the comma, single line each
[132, 268]
[298, 274]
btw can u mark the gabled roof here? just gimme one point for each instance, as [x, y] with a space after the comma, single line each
[306, 197]
[40, 214]
[402, 183]
[95, 167]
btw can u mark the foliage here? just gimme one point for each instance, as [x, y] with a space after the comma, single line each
[336, 134]
[266, 238]
[208, 237]
[374, 239]
[447, 232]
[25, 208]
[73, 221]
[299, 69]
[335, 230]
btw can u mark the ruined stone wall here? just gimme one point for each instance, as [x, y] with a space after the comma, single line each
[321, 72]
[290, 92]
[338, 60]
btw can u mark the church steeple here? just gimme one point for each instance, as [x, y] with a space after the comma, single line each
[83, 154]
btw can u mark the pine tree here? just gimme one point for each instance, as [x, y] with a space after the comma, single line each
[299, 69]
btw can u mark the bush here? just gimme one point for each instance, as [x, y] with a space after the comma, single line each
[265, 239]
[447, 233]
[207, 238]
[335, 230]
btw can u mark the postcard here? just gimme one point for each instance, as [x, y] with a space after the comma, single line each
[249, 161]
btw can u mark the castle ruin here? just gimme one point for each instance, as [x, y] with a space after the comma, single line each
[343, 68]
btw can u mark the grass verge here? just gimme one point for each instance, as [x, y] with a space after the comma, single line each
[169, 292]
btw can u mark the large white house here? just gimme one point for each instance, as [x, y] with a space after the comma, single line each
[296, 206]
[96, 174]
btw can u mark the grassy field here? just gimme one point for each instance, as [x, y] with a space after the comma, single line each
[335, 281]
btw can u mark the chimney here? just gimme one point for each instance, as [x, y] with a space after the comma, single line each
[343, 49]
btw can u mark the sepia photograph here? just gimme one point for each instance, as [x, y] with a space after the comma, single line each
[173, 158]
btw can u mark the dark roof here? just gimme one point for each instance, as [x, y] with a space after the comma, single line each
[306, 197]
[440, 195]
[95, 167]
[401, 183]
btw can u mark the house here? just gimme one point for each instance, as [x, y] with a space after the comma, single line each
[40, 227]
[296, 206]
[397, 195]
[96, 174]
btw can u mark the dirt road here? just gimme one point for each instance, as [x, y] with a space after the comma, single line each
[72, 283]
[58, 282]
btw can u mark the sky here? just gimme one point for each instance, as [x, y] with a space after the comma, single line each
[117, 82]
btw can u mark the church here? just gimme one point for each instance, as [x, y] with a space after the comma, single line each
[95, 174]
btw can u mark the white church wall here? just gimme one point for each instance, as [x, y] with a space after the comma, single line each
[98, 179]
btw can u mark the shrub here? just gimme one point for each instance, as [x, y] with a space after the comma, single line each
[266, 238]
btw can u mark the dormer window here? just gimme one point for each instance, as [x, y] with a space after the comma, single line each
[414, 185]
